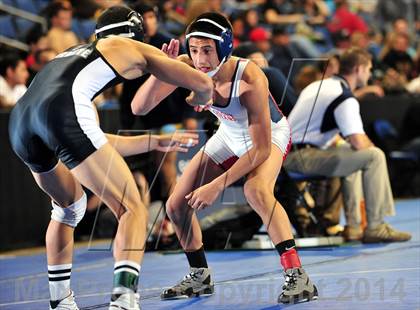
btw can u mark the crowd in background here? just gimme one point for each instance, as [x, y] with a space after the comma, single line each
[295, 36]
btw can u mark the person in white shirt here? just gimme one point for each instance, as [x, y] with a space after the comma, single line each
[13, 77]
[325, 109]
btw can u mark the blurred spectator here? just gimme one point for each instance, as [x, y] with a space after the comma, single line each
[371, 42]
[59, 18]
[306, 76]
[327, 211]
[315, 12]
[198, 7]
[389, 11]
[250, 51]
[284, 50]
[286, 47]
[365, 9]
[304, 31]
[335, 110]
[362, 40]
[341, 40]
[333, 68]
[394, 82]
[13, 77]
[399, 27]
[398, 58]
[177, 14]
[41, 58]
[375, 39]
[251, 20]
[37, 40]
[359, 39]
[281, 12]
[173, 15]
[326, 68]
[344, 23]
[233, 7]
[150, 17]
[261, 38]
[238, 29]
[104, 4]
[375, 90]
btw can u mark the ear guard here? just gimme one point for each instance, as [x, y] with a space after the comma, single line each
[224, 40]
[131, 28]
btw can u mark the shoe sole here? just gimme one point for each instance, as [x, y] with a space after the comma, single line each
[119, 307]
[307, 296]
[208, 291]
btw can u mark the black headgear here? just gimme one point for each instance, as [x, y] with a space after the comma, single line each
[125, 23]
[208, 26]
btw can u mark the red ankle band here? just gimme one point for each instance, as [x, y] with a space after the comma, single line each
[290, 259]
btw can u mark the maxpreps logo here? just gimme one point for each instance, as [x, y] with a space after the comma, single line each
[222, 115]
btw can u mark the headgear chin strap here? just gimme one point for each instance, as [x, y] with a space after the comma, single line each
[214, 71]
[131, 28]
[224, 42]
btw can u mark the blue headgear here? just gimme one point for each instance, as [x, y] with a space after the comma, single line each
[132, 28]
[223, 39]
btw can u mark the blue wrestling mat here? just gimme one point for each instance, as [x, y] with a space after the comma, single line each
[352, 276]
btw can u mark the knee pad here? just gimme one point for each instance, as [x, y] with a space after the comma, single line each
[71, 215]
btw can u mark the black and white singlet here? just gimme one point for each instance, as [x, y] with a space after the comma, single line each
[56, 119]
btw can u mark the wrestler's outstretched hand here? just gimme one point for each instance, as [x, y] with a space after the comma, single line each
[171, 49]
[178, 141]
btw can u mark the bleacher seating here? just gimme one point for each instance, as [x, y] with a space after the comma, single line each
[23, 25]
[27, 5]
[7, 27]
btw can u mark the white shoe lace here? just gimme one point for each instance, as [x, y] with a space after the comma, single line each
[290, 281]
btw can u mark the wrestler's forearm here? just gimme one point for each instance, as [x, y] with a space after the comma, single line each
[133, 145]
[149, 95]
[178, 73]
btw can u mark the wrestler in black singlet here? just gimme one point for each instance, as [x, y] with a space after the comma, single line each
[56, 119]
